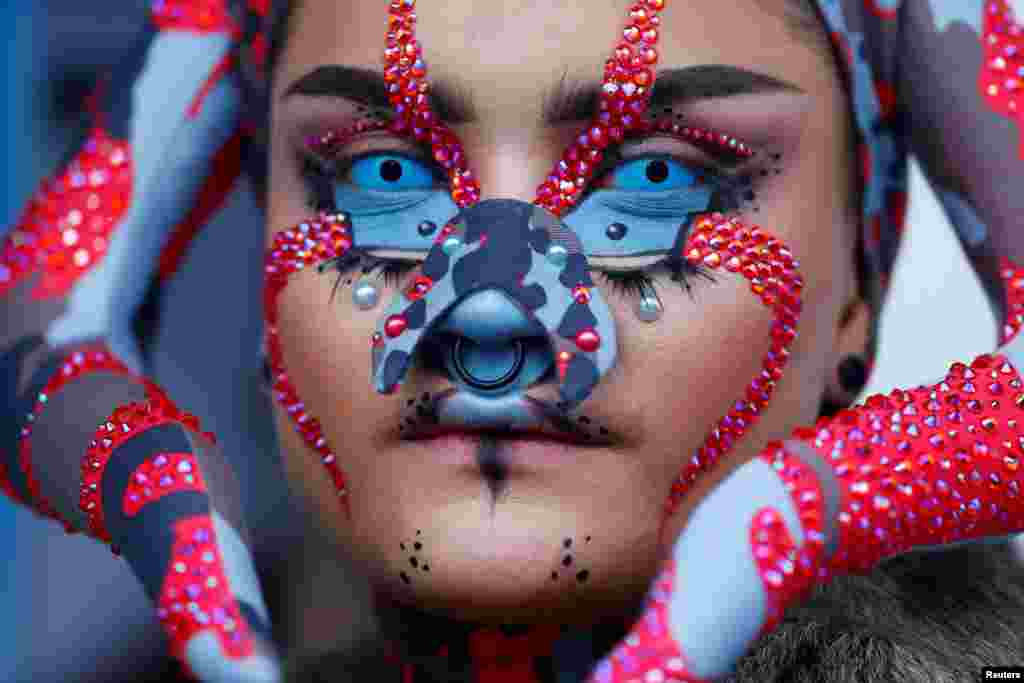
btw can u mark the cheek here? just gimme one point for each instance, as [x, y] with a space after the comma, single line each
[689, 369]
[326, 348]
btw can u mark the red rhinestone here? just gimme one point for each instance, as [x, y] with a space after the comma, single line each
[395, 325]
[588, 341]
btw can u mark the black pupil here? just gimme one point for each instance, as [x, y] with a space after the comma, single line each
[391, 170]
[657, 171]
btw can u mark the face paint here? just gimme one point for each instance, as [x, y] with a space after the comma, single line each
[502, 265]
[505, 252]
[294, 249]
[768, 265]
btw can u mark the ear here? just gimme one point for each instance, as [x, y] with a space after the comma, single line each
[852, 337]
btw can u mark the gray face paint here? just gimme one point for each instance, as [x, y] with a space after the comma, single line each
[529, 272]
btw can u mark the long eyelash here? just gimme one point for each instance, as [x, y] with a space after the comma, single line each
[390, 270]
[632, 282]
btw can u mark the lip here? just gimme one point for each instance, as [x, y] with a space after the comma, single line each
[515, 419]
[526, 449]
[437, 433]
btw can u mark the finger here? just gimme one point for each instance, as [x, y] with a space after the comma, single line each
[918, 469]
[158, 490]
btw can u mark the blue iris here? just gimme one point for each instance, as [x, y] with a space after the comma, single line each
[391, 172]
[653, 173]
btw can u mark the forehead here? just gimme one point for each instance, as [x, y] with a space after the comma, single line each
[508, 48]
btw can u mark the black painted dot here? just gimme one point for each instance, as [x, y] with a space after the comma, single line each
[657, 171]
[402, 546]
[414, 562]
[776, 156]
[586, 437]
[616, 231]
[426, 567]
[348, 282]
[567, 560]
[391, 170]
[604, 430]
[405, 577]
[588, 539]
[554, 576]
[567, 543]
[426, 228]
[417, 545]
[418, 532]
[763, 173]
[582, 575]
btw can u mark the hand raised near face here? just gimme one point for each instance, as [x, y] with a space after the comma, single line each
[928, 467]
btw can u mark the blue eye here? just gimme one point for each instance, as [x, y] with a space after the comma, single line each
[391, 172]
[653, 173]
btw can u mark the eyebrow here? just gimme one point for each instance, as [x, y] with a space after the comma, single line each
[568, 100]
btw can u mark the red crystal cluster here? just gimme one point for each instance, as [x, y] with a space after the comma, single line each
[66, 226]
[768, 265]
[928, 466]
[293, 250]
[79, 363]
[1013, 286]
[195, 595]
[649, 652]
[196, 16]
[628, 79]
[787, 572]
[405, 73]
[161, 475]
[1001, 79]
[125, 422]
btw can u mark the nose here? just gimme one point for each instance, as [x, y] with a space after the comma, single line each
[489, 345]
[504, 297]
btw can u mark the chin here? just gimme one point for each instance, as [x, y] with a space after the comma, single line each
[460, 559]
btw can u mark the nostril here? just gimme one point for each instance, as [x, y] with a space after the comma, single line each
[487, 366]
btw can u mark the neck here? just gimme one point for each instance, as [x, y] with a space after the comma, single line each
[435, 649]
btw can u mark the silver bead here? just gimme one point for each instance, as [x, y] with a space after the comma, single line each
[557, 255]
[451, 245]
[649, 308]
[365, 295]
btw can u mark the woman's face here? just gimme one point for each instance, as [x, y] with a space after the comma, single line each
[569, 526]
